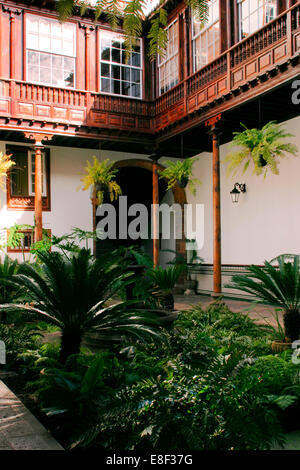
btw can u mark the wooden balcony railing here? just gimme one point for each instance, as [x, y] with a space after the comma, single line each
[262, 51]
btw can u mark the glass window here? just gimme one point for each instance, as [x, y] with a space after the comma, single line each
[254, 14]
[168, 67]
[120, 76]
[51, 51]
[206, 40]
[22, 178]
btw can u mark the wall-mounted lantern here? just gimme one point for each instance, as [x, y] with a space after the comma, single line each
[237, 190]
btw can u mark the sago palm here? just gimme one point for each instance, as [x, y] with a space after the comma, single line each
[275, 285]
[72, 294]
[8, 292]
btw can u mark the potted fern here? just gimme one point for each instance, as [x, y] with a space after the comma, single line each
[180, 173]
[263, 147]
[164, 281]
[102, 177]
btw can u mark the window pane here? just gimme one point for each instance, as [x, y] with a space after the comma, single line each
[123, 75]
[135, 75]
[33, 58]
[115, 87]
[33, 73]
[45, 60]
[115, 72]
[116, 55]
[105, 85]
[69, 79]
[105, 70]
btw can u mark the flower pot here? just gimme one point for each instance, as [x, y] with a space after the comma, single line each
[183, 182]
[279, 346]
[262, 161]
[165, 299]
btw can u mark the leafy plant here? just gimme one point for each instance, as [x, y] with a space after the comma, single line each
[101, 174]
[72, 294]
[5, 165]
[8, 292]
[180, 173]
[278, 286]
[263, 147]
[132, 18]
[18, 339]
[164, 280]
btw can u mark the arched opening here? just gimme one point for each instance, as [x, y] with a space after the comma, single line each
[135, 178]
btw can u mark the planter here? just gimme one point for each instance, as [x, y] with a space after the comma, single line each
[165, 299]
[262, 161]
[278, 346]
[183, 182]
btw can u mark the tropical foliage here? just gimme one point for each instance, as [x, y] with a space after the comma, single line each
[263, 147]
[180, 173]
[213, 384]
[8, 292]
[5, 165]
[72, 294]
[131, 18]
[102, 175]
[278, 286]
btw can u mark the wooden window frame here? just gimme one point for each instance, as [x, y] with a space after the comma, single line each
[28, 49]
[201, 33]
[103, 33]
[168, 59]
[26, 203]
[24, 250]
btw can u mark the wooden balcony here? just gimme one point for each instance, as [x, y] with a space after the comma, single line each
[259, 62]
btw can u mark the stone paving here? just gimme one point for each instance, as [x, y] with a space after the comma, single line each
[19, 429]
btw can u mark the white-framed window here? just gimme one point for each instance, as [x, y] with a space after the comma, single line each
[119, 75]
[254, 14]
[31, 174]
[168, 64]
[206, 38]
[50, 51]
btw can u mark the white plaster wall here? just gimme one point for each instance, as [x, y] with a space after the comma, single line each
[266, 220]
[70, 206]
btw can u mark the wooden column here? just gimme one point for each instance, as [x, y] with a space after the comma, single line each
[217, 264]
[87, 30]
[155, 214]
[38, 187]
[38, 184]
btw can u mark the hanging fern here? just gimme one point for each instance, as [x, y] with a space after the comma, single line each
[5, 165]
[133, 17]
[263, 147]
[158, 34]
[133, 24]
[180, 173]
[102, 173]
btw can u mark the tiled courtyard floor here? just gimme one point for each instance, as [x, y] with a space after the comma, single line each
[19, 429]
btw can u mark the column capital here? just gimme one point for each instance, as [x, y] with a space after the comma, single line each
[154, 157]
[38, 138]
[213, 121]
[11, 11]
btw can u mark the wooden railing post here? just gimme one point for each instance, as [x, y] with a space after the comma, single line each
[289, 34]
[217, 266]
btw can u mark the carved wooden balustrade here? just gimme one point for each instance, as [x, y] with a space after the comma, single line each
[244, 64]
[255, 55]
